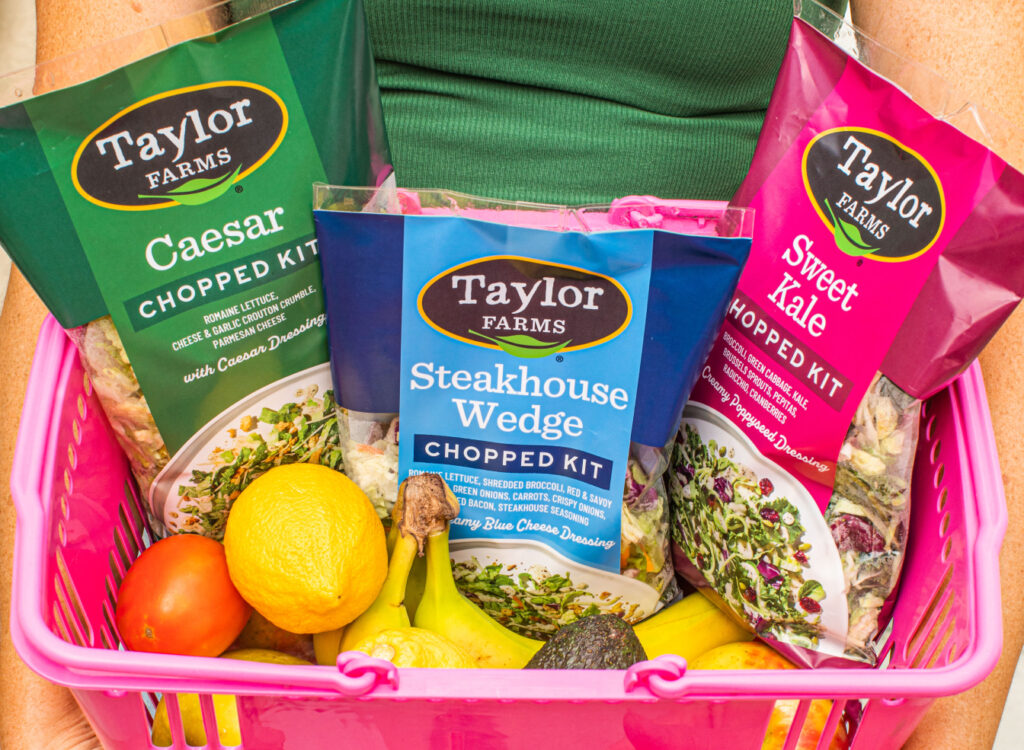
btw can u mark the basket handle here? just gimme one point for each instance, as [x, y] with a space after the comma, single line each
[360, 674]
[662, 676]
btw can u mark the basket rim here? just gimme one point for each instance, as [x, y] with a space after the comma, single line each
[665, 678]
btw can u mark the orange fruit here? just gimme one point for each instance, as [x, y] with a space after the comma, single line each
[261, 633]
[758, 655]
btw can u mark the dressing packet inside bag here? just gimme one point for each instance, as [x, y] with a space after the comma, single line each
[886, 255]
[162, 213]
[540, 357]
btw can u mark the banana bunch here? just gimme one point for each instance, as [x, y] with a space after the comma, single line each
[424, 507]
[420, 525]
[446, 611]
[688, 628]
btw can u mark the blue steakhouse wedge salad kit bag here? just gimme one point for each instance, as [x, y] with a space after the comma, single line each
[540, 357]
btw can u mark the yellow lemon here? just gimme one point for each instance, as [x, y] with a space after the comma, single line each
[415, 647]
[305, 548]
[224, 707]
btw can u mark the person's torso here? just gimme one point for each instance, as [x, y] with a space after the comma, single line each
[572, 101]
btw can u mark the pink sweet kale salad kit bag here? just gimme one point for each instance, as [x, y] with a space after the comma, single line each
[887, 252]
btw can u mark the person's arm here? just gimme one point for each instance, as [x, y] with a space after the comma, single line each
[114, 32]
[33, 712]
[977, 46]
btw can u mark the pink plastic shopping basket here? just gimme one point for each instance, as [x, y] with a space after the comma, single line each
[80, 525]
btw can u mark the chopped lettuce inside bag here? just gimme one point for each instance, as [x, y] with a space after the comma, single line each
[869, 512]
[111, 374]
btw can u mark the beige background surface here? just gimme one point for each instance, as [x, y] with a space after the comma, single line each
[17, 50]
[978, 45]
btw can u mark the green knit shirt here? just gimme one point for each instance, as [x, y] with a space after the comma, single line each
[574, 101]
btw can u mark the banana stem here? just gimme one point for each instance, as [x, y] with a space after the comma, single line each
[402, 558]
[393, 532]
[440, 581]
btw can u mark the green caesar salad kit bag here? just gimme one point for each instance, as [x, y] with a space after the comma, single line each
[162, 213]
[539, 357]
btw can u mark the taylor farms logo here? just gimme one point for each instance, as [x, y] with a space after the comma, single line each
[182, 147]
[880, 199]
[525, 307]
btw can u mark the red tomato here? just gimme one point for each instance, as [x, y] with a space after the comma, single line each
[177, 598]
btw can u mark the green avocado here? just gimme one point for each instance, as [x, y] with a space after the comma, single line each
[594, 642]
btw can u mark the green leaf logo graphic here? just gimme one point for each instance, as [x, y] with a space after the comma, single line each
[199, 190]
[847, 236]
[521, 345]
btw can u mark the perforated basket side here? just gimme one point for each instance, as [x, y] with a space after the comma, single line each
[938, 627]
[101, 533]
[952, 576]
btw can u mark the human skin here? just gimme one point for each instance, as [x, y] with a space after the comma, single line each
[977, 47]
[33, 712]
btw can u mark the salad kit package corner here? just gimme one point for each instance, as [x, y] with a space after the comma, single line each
[628, 400]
